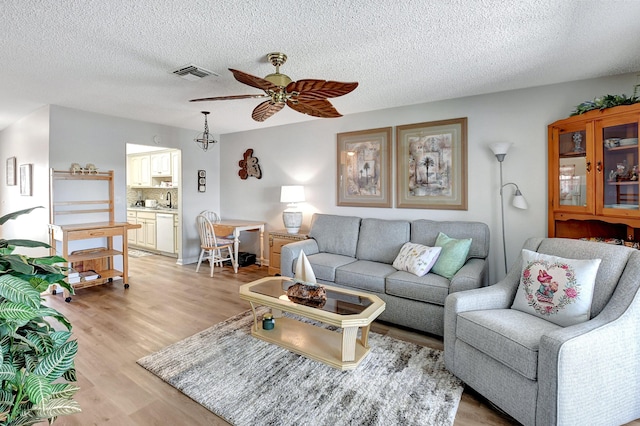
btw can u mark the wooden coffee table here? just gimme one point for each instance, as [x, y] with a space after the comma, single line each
[347, 309]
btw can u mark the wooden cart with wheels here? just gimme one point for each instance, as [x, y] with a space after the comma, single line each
[66, 201]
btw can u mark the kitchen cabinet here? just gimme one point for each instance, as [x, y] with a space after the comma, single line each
[157, 232]
[139, 171]
[593, 175]
[146, 234]
[131, 233]
[276, 240]
[161, 164]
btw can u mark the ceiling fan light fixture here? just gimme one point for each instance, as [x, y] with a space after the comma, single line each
[278, 79]
[277, 59]
[307, 96]
[204, 139]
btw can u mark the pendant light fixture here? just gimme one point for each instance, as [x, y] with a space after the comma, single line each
[205, 138]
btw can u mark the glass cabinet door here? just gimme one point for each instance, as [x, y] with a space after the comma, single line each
[620, 171]
[573, 169]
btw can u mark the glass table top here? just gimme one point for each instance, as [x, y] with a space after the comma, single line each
[337, 302]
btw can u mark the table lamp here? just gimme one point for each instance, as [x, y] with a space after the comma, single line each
[292, 216]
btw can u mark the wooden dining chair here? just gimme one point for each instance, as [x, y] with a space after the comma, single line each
[211, 246]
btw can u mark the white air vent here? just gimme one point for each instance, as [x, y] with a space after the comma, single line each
[193, 72]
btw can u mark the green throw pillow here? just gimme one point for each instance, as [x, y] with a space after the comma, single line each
[452, 257]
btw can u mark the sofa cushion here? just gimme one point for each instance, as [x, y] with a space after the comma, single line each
[335, 234]
[381, 240]
[325, 264]
[507, 335]
[365, 275]
[426, 232]
[430, 288]
[416, 258]
[452, 257]
[557, 289]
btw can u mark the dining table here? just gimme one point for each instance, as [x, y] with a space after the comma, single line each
[238, 226]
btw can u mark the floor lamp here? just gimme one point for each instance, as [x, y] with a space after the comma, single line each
[500, 150]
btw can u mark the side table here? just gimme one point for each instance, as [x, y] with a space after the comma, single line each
[276, 240]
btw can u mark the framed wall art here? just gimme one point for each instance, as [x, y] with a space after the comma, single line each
[25, 179]
[11, 171]
[432, 165]
[364, 168]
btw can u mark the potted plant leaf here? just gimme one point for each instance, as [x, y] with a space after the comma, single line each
[37, 360]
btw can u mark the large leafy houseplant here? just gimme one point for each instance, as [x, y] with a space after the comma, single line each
[37, 360]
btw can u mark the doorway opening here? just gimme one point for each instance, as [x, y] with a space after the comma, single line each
[154, 201]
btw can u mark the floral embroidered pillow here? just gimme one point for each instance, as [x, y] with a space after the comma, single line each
[556, 289]
[416, 258]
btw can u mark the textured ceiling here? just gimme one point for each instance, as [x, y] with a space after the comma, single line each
[115, 57]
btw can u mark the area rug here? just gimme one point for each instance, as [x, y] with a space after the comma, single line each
[248, 381]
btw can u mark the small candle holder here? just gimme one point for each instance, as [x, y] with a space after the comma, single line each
[268, 322]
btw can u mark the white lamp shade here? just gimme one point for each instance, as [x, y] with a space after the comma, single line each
[292, 194]
[500, 148]
[519, 201]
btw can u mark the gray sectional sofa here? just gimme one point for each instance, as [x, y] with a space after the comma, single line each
[352, 252]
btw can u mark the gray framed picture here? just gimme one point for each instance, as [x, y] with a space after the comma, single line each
[11, 171]
[25, 179]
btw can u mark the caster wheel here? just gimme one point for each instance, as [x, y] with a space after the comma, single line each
[68, 300]
[126, 286]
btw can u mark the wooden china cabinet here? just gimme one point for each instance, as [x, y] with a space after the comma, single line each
[594, 176]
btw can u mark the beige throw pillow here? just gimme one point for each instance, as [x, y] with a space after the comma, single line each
[416, 258]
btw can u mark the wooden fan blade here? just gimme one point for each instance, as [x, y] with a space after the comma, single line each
[319, 89]
[226, 98]
[317, 108]
[266, 109]
[253, 81]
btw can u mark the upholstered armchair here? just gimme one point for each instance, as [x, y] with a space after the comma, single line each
[542, 373]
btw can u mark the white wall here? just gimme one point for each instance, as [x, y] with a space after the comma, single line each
[306, 154]
[28, 141]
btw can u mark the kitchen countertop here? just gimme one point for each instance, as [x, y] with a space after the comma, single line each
[154, 209]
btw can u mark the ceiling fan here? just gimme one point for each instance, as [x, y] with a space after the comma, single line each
[305, 96]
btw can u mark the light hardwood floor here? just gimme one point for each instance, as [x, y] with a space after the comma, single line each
[166, 303]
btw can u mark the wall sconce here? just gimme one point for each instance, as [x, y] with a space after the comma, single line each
[205, 138]
[292, 216]
[500, 151]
